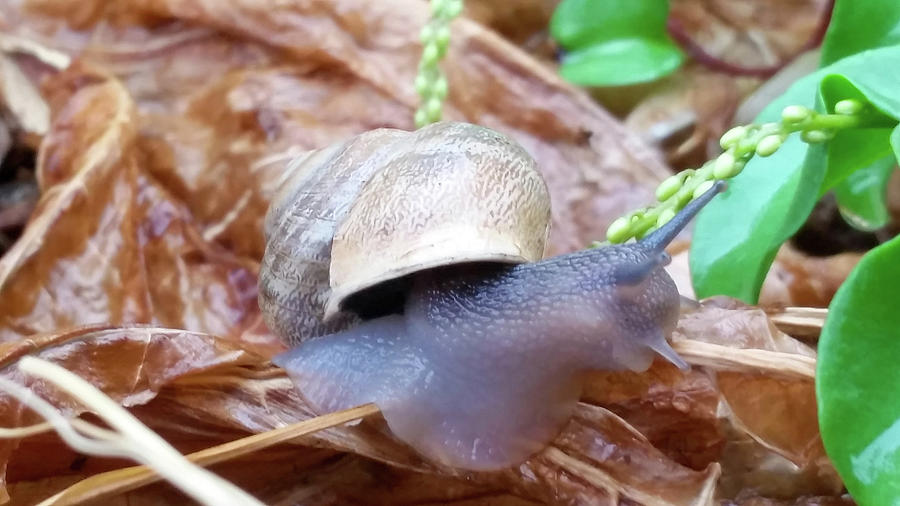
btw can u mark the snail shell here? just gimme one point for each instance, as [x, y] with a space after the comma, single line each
[386, 204]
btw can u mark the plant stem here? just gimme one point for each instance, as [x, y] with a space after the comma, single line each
[431, 85]
[740, 145]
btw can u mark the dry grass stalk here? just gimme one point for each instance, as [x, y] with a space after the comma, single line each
[52, 57]
[802, 322]
[129, 437]
[725, 358]
[111, 483]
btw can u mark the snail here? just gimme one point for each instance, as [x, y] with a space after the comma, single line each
[472, 345]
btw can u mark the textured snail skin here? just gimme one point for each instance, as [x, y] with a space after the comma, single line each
[485, 365]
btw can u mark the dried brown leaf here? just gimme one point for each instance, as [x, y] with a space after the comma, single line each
[168, 137]
[765, 378]
[302, 75]
[107, 244]
[749, 36]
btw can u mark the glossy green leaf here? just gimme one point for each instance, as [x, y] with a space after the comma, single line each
[861, 196]
[620, 62]
[862, 76]
[858, 379]
[738, 234]
[858, 25]
[856, 149]
[895, 142]
[579, 23]
[614, 42]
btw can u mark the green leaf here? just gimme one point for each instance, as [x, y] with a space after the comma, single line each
[861, 196]
[895, 142]
[614, 42]
[737, 235]
[862, 77]
[856, 149]
[857, 25]
[858, 381]
[621, 61]
[579, 23]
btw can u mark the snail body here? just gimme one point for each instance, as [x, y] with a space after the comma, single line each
[484, 364]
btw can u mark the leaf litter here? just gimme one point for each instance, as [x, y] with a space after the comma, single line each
[137, 270]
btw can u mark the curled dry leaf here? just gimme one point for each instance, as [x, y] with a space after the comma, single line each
[751, 38]
[796, 279]
[772, 403]
[108, 244]
[676, 412]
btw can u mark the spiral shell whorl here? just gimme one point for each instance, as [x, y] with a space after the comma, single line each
[299, 227]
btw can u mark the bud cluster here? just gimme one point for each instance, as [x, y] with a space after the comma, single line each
[739, 145]
[431, 85]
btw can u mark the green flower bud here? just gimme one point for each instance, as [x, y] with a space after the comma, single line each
[665, 216]
[430, 54]
[433, 109]
[637, 214]
[440, 88]
[768, 145]
[668, 187]
[725, 166]
[427, 33]
[848, 107]
[814, 136]
[619, 231]
[442, 37]
[745, 147]
[420, 118]
[452, 8]
[421, 84]
[795, 113]
[731, 137]
[644, 233]
[703, 188]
